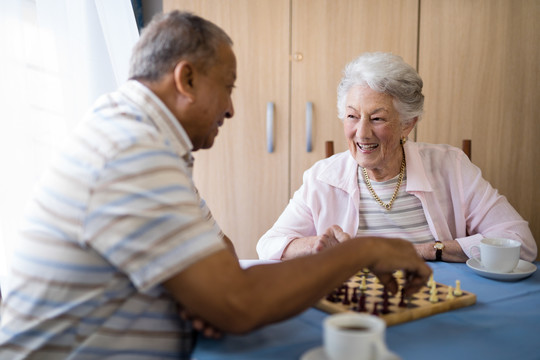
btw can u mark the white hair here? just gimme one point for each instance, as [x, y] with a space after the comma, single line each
[386, 73]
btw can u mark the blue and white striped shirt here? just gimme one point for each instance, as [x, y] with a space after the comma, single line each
[116, 215]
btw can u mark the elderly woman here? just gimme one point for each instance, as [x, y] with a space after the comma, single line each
[384, 185]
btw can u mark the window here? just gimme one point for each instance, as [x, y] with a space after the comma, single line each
[58, 56]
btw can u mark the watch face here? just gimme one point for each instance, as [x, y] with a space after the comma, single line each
[438, 246]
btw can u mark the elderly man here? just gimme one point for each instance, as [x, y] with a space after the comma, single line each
[117, 238]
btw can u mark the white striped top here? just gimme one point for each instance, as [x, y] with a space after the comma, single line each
[116, 215]
[406, 218]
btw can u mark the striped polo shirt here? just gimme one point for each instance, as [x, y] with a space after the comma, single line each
[115, 216]
[406, 218]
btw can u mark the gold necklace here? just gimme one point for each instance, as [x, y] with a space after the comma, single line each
[400, 179]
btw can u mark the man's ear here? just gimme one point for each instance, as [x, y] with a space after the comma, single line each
[184, 75]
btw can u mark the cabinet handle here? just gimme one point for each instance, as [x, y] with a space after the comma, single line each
[309, 124]
[270, 127]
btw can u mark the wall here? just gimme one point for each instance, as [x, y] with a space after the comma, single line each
[150, 8]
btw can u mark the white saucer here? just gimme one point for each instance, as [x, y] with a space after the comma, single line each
[522, 270]
[318, 353]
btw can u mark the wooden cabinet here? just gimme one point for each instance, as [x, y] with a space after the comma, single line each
[289, 53]
[329, 34]
[480, 64]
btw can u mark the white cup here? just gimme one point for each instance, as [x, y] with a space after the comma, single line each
[497, 255]
[350, 335]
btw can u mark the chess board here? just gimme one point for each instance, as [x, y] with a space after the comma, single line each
[397, 309]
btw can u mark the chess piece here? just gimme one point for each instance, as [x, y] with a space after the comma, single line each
[333, 296]
[363, 285]
[375, 310]
[402, 300]
[354, 297]
[345, 291]
[457, 290]
[386, 301]
[361, 303]
[433, 298]
[430, 281]
[450, 295]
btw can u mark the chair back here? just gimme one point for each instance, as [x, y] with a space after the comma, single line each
[466, 147]
[329, 148]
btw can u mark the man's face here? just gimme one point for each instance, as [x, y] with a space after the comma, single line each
[213, 101]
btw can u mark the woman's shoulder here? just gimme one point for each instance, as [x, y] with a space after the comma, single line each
[440, 159]
[335, 162]
[437, 150]
[334, 170]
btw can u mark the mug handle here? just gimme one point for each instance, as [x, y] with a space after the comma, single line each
[477, 258]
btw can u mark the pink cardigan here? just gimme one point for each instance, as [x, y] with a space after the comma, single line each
[458, 203]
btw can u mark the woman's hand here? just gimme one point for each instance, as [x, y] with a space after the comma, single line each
[331, 237]
[314, 244]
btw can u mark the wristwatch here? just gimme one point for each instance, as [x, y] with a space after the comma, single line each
[439, 246]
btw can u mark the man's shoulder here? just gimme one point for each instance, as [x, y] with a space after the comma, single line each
[114, 124]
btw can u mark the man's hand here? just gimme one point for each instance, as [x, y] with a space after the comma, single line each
[201, 326]
[399, 254]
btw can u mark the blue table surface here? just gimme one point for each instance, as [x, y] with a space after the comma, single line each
[503, 324]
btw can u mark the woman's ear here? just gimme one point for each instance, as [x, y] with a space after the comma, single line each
[184, 75]
[408, 126]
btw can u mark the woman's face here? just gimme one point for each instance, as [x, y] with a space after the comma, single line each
[373, 131]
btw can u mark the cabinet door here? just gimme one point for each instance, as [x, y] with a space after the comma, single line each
[326, 35]
[479, 62]
[245, 186]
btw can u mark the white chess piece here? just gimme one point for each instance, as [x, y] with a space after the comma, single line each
[457, 291]
[450, 295]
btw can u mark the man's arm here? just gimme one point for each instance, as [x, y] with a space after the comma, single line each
[234, 300]
[229, 244]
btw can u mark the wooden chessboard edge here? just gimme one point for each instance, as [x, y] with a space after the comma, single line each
[467, 299]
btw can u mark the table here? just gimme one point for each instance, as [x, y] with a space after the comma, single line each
[503, 324]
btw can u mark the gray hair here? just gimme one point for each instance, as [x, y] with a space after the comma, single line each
[172, 37]
[387, 73]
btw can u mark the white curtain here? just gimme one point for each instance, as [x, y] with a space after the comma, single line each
[56, 58]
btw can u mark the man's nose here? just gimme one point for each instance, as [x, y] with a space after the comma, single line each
[230, 112]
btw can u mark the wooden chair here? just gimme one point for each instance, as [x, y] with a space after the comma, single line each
[466, 147]
[329, 148]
